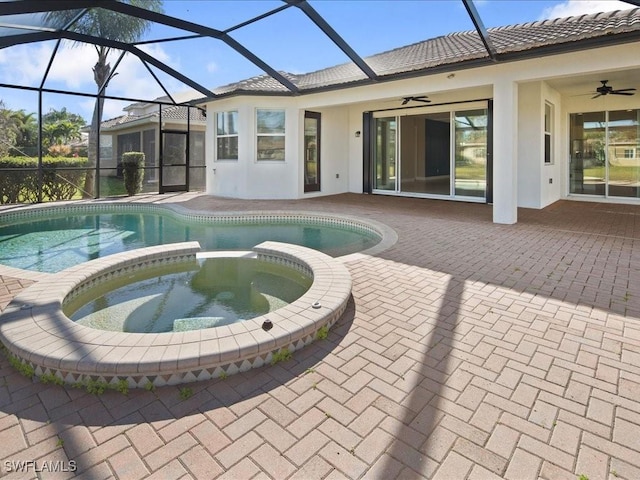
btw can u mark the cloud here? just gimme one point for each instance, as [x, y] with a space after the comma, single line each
[24, 65]
[579, 7]
[72, 67]
[71, 70]
[110, 109]
[212, 67]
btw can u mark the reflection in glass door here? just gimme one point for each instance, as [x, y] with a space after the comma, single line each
[623, 153]
[425, 153]
[174, 161]
[471, 153]
[311, 152]
[385, 153]
[587, 165]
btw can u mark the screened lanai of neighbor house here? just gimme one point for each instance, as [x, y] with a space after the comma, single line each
[515, 116]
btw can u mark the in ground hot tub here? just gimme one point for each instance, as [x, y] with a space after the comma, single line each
[37, 333]
[200, 293]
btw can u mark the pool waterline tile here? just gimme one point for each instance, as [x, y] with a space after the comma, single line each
[383, 234]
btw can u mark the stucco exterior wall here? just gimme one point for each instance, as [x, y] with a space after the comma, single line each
[553, 176]
[334, 151]
[539, 183]
[530, 148]
[248, 177]
[518, 90]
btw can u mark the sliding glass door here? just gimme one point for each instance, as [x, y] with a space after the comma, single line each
[425, 154]
[471, 153]
[440, 154]
[605, 154]
[385, 153]
[623, 153]
[587, 165]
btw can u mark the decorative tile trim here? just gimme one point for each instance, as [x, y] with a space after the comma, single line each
[35, 331]
[173, 211]
[386, 234]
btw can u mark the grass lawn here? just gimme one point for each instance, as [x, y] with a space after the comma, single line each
[475, 171]
[111, 187]
[616, 174]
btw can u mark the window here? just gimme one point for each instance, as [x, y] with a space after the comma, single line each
[270, 134]
[603, 145]
[227, 136]
[548, 139]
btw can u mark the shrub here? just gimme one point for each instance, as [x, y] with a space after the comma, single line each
[59, 150]
[132, 163]
[60, 178]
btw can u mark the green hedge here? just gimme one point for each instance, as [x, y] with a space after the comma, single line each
[132, 164]
[19, 178]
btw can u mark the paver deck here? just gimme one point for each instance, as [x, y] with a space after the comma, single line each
[470, 350]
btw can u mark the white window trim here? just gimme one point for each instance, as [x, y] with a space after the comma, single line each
[217, 136]
[258, 135]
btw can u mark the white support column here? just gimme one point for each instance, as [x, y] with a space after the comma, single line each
[505, 149]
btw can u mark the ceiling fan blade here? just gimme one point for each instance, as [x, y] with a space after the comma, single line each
[620, 92]
[421, 98]
[596, 96]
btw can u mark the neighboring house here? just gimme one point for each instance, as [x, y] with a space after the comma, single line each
[514, 124]
[140, 130]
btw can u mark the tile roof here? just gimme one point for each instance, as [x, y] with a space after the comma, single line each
[175, 112]
[514, 41]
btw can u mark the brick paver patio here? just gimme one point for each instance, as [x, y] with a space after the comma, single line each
[470, 351]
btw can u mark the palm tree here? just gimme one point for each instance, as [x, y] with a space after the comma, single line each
[60, 133]
[7, 130]
[26, 128]
[59, 127]
[109, 25]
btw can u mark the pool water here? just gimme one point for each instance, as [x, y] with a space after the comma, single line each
[188, 296]
[55, 243]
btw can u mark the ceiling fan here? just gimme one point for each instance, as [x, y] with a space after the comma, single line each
[605, 89]
[420, 98]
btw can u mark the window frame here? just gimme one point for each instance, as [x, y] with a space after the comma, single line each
[224, 136]
[263, 135]
[547, 137]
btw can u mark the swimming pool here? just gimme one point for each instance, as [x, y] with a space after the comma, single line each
[54, 238]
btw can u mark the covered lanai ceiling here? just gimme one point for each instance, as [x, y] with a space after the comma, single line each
[29, 22]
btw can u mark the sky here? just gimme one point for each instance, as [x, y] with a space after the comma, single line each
[288, 41]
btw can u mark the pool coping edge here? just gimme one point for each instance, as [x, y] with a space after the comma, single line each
[34, 329]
